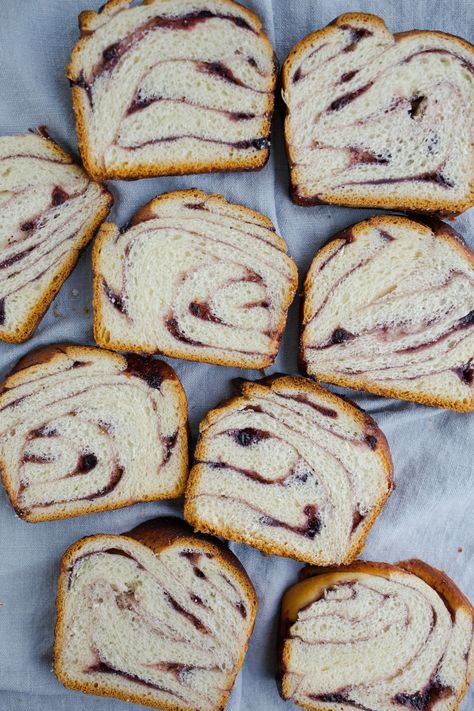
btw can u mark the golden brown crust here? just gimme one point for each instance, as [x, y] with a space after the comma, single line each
[305, 386]
[107, 231]
[313, 580]
[33, 318]
[429, 226]
[145, 170]
[47, 354]
[437, 206]
[157, 535]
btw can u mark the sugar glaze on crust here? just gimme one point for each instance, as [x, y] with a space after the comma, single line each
[70, 417]
[49, 211]
[168, 590]
[208, 64]
[376, 637]
[193, 277]
[291, 469]
[389, 308]
[380, 120]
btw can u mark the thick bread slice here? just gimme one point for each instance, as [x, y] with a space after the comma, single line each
[49, 210]
[389, 307]
[376, 637]
[85, 430]
[172, 87]
[158, 616]
[291, 469]
[381, 120]
[193, 277]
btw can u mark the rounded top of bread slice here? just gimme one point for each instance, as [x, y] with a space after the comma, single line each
[389, 307]
[380, 119]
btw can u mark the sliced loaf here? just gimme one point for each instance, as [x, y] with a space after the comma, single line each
[291, 469]
[171, 87]
[85, 430]
[389, 307]
[49, 210]
[158, 616]
[381, 120]
[193, 277]
[376, 637]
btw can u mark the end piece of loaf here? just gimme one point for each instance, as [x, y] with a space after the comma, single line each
[389, 307]
[375, 636]
[157, 616]
[193, 277]
[172, 87]
[85, 430]
[381, 120]
[49, 210]
[291, 469]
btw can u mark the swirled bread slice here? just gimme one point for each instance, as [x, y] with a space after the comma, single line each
[85, 430]
[389, 307]
[193, 277]
[158, 616]
[376, 637]
[291, 469]
[379, 119]
[49, 210]
[171, 87]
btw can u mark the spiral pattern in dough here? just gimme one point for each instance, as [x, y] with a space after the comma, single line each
[380, 119]
[291, 469]
[162, 620]
[49, 210]
[193, 277]
[172, 87]
[85, 430]
[376, 637]
[389, 307]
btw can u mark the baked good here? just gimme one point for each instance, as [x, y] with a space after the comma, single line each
[193, 277]
[85, 430]
[376, 637]
[380, 119]
[291, 469]
[158, 616]
[389, 307]
[49, 210]
[172, 87]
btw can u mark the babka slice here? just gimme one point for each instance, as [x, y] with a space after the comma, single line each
[193, 277]
[389, 307]
[171, 87]
[291, 469]
[158, 616]
[381, 120]
[376, 637]
[49, 210]
[85, 430]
